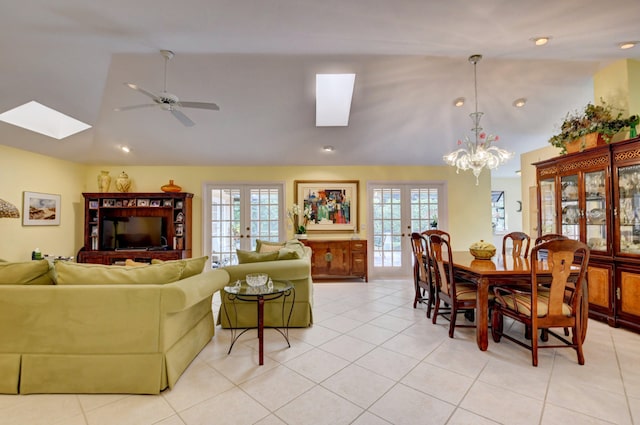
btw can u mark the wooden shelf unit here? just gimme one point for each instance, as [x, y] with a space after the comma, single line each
[174, 208]
[338, 259]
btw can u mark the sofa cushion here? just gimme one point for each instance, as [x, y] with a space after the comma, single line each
[245, 257]
[268, 246]
[25, 273]
[95, 274]
[297, 246]
[191, 266]
[131, 263]
[288, 254]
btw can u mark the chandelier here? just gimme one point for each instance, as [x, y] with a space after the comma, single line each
[478, 152]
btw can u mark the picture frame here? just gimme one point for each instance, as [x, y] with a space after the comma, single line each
[167, 203]
[40, 209]
[93, 205]
[108, 202]
[333, 204]
[155, 202]
[131, 203]
[143, 202]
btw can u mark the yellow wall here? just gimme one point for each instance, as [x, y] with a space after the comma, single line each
[469, 211]
[25, 171]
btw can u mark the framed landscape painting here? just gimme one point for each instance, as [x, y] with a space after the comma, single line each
[333, 205]
[40, 209]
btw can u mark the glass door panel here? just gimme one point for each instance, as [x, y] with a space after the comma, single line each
[548, 206]
[569, 207]
[629, 209]
[237, 216]
[596, 210]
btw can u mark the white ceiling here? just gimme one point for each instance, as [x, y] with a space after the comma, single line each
[257, 59]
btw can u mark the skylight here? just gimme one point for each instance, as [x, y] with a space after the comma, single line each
[44, 120]
[333, 99]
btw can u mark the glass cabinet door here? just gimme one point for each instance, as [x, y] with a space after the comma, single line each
[569, 207]
[629, 209]
[595, 210]
[548, 206]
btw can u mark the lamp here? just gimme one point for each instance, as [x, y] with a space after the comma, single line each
[8, 210]
[477, 153]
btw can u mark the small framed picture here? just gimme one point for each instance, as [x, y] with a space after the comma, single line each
[108, 202]
[119, 203]
[179, 204]
[155, 202]
[167, 203]
[40, 209]
[93, 205]
[131, 203]
[143, 202]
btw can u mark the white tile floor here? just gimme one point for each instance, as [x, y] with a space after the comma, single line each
[371, 359]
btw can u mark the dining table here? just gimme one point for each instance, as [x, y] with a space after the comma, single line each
[504, 271]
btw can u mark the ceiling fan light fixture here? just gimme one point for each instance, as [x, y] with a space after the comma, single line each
[540, 41]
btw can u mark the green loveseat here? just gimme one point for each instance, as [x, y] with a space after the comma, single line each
[64, 333]
[297, 271]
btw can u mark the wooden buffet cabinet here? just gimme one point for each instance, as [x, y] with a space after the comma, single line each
[594, 196]
[338, 259]
[137, 226]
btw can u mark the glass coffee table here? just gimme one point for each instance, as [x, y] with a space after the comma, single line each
[273, 290]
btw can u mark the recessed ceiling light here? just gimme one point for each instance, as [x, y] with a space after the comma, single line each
[540, 41]
[125, 149]
[627, 45]
[519, 103]
[328, 148]
[459, 102]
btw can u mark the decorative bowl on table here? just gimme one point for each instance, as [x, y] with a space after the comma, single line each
[256, 279]
[482, 250]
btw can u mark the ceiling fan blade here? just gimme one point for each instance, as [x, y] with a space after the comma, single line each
[200, 105]
[127, 108]
[182, 118]
[141, 90]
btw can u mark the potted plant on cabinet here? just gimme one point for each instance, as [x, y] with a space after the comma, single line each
[299, 218]
[592, 126]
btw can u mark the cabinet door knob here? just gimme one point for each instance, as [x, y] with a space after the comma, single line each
[328, 257]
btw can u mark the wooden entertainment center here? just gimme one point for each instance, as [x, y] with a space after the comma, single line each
[136, 226]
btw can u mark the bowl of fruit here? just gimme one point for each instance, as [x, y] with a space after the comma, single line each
[482, 250]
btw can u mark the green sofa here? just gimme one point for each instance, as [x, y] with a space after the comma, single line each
[297, 271]
[77, 329]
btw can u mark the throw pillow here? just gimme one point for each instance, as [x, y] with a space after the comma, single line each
[25, 273]
[255, 257]
[288, 254]
[268, 246]
[97, 274]
[191, 266]
[130, 263]
[297, 246]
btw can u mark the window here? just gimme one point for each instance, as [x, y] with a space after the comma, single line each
[498, 221]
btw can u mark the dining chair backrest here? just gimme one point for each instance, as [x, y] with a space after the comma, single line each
[420, 248]
[549, 237]
[442, 262]
[519, 243]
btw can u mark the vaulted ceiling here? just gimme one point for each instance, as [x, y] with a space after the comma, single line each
[257, 60]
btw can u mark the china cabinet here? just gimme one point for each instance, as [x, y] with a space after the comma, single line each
[594, 196]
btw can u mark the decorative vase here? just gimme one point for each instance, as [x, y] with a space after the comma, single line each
[301, 236]
[171, 187]
[104, 181]
[123, 182]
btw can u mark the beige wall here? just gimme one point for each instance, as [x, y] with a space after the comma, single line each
[468, 205]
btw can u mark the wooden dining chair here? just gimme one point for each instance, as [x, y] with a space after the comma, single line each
[422, 277]
[548, 237]
[460, 297]
[518, 242]
[545, 305]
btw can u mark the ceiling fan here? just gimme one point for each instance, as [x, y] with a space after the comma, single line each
[167, 101]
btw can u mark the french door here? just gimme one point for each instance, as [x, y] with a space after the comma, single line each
[236, 215]
[397, 210]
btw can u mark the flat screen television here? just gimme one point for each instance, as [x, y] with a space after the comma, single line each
[133, 232]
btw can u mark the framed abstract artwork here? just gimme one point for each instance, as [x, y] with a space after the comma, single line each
[332, 205]
[40, 209]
